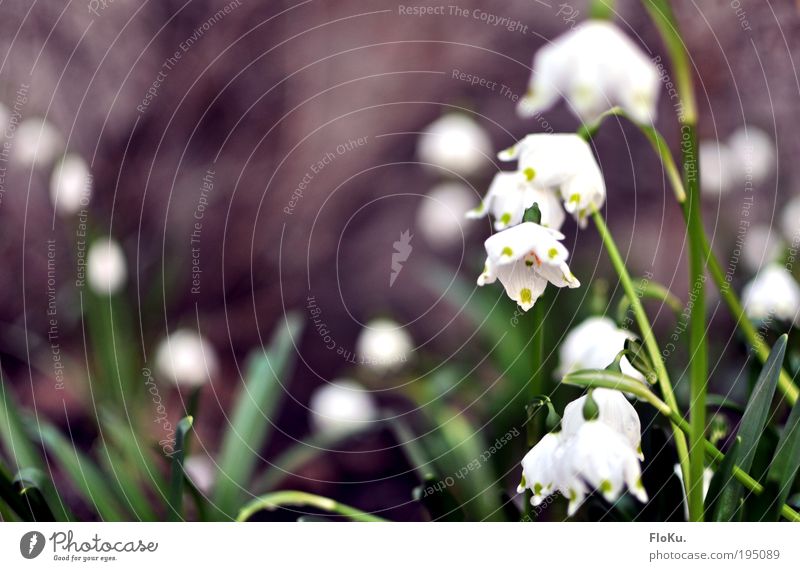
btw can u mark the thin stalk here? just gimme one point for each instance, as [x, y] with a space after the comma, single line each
[648, 337]
[664, 19]
[292, 498]
[536, 387]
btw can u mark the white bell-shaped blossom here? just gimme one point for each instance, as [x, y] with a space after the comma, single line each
[539, 467]
[594, 344]
[595, 67]
[440, 215]
[70, 185]
[383, 345]
[106, 269]
[455, 143]
[772, 293]
[37, 142]
[524, 258]
[186, 358]
[562, 162]
[754, 150]
[762, 245]
[511, 194]
[614, 409]
[342, 406]
[720, 170]
[600, 457]
[790, 221]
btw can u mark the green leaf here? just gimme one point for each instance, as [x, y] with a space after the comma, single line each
[177, 476]
[254, 414]
[30, 484]
[722, 478]
[785, 462]
[533, 214]
[436, 497]
[22, 451]
[750, 429]
[125, 483]
[87, 478]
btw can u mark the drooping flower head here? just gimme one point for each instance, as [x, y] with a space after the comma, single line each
[511, 194]
[341, 406]
[613, 410]
[563, 162]
[595, 67]
[38, 142]
[439, 218]
[106, 270]
[524, 258]
[594, 344]
[186, 358]
[455, 143]
[773, 293]
[70, 184]
[383, 345]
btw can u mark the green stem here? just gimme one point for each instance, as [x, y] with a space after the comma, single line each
[536, 387]
[647, 336]
[652, 290]
[292, 498]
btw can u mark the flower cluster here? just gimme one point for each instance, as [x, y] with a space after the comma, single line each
[602, 454]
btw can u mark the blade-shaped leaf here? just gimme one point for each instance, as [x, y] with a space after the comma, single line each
[751, 428]
[785, 463]
[30, 483]
[722, 478]
[177, 475]
[254, 414]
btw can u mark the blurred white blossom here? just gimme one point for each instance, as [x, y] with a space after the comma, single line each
[187, 359]
[790, 221]
[106, 269]
[754, 150]
[342, 406]
[524, 258]
[772, 293]
[719, 170]
[562, 162]
[594, 344]
[595, 66]
[70, 184]
[456, 143]
[440, 215]
[762, 245]
[37, 142]
[511, 194]
[383, 345]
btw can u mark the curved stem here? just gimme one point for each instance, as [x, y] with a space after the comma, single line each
[648, 337]
[293, 498]
[652, 290]
[536, 386]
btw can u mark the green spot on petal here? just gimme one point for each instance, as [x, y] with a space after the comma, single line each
[507, 252]
[506, 218]
[576, 198]
[530, 174]
[537, 489]
[606, 487]
[525, 295]
[552, 252]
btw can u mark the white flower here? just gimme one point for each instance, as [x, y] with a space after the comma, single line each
[599, 456]
[455, 143]
[772, 293]
[720, 170]
[4, 115]
[762, 245]
[613, 410]
[186, 358]
[440, 215]
[790, 221]
[563, 162]
[383, 345]
[511, 194]
[106, 271]
[70, 184]
[594, 344]
[37, 142]
[341, 406]
[201, 471]
[596, 456]
[754, 150]
[524, 258]
[596, 67]
[539, 467]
